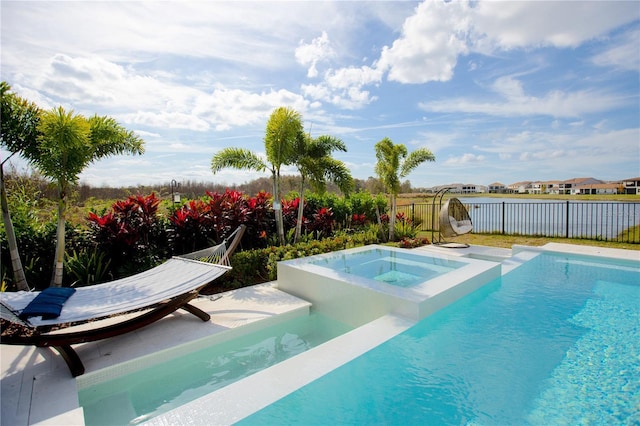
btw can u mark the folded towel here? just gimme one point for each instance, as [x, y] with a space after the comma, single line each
[48, 304]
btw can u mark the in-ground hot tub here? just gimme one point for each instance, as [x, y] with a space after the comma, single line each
[361, 284]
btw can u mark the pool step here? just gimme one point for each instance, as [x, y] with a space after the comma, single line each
[243, 398]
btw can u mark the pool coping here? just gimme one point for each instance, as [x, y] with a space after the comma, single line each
[249, 395]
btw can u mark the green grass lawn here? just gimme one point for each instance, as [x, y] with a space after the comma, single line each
[506, 241]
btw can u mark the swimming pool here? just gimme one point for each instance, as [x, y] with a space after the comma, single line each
[144, 393]
[553, 341]
[361, 284]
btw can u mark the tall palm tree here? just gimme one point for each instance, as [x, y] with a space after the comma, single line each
[68, 143]
[19, 119]
[315, 164]
[391, 160]
[282, 130]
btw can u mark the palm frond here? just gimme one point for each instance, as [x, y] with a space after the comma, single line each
[237, 158]
[414, 159]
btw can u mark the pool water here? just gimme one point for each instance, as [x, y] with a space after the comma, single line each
[394, 267]
[554, 341]
[146, 393]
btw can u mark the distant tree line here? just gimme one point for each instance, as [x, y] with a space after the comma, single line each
[188, 189]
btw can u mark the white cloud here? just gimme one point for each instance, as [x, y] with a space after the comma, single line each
[624, 53]
[527, 24]
[310, 54]
[166, 120]
[155, 101]
[344, 87]
[228, 108]
[147, 135]
[465, 158]
[513, 102]
[439, 32]
[431, 41]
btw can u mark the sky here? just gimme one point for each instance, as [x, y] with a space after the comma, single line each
[499, 91]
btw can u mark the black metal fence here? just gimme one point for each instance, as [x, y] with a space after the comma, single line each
[604, 221]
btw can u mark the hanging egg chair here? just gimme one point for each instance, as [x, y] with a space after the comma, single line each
[454, 219]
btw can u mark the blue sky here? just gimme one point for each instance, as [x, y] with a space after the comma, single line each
[498, 91]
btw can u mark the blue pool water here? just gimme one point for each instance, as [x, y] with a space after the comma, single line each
[395, 267]
[554, 341]
[148, 392]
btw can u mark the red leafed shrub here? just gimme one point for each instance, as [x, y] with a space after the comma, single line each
[189, 227]
[358, 220]
[261, 222]
[412, 242]
[202, 223]
[290, 213]
[402, 218]
[131, 232]
[322, 223]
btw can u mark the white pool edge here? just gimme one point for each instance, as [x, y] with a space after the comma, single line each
[249, 395]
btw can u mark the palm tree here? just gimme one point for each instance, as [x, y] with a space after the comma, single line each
[391, 160]
[283, 128]
[68, 143]
[315, 164]
[19, 134]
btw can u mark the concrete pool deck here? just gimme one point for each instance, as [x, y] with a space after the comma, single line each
[37, 388]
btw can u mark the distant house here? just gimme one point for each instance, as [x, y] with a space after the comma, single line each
[631, 185]
[544, 187]
[520, 187]
[469, 188]
[461, 188]
[597, 188]
[553, 187]
[568, 186]
[496, 188]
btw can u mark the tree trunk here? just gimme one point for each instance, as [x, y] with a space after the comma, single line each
[60, 243]
[392, 219]
[277, 207]
[16, 263]
[300, 212]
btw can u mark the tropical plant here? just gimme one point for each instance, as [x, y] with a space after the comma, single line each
[187, 231]
[201, 222]
[395, 163]
[314, 162]
[19, 120]
[67, 144]
[363, 204]
[131, 233]
[88, 267]
[283, 127]
[322, 223]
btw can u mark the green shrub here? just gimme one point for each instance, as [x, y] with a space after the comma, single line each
[87, 267]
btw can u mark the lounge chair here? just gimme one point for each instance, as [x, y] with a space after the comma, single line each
[149, 296]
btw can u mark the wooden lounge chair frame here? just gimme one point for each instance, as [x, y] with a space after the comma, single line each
[61, 336]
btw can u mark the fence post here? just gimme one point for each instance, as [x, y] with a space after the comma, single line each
[567, 221]
[413, 213]
[503, 216]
